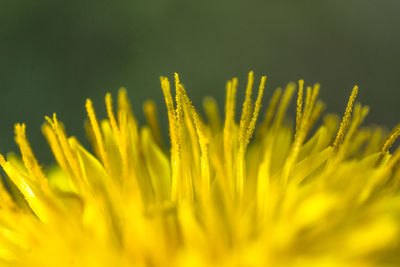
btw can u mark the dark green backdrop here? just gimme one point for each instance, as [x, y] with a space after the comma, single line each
[55, 54]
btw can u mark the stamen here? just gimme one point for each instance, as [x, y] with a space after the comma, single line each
[178, 113]
[301, 135]
[299, 106]
[309, 109]
[308, 96]
[111, 115]
[257, 107]
[247, 126]
[316, 113]
[97, 133]
[359, 115]
[211, 109]
[92, 138]
[150, 112]
[346, 120]
[231, 88]
[283, 105]
[185, 179]
[165, 85]
[388, 143]
[123, 142]
[55, 147]
[123, 102]
[125, 115]
[246, 109]
[203, 142]
[66, 148]
[391, 139]
[231, 103]
[269, 114]
[166, 88]
[28, 157]
[314, 96]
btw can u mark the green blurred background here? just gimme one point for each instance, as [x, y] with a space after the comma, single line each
[55, 54]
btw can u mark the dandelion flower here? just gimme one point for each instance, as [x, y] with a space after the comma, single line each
[226, 193]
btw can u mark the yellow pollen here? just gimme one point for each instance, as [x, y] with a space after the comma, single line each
[246, 109]
[299, 106]
[388, 143]
[290, 196]
[346, 120]
[256, 111]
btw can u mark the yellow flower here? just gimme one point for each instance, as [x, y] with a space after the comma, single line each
[224, 194]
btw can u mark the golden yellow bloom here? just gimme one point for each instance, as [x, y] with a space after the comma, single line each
[289, 196]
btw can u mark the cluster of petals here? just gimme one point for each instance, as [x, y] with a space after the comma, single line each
[225, 191]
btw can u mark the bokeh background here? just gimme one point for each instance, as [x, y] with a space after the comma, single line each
[55, 54]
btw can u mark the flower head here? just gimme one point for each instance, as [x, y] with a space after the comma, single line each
[224, 194]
